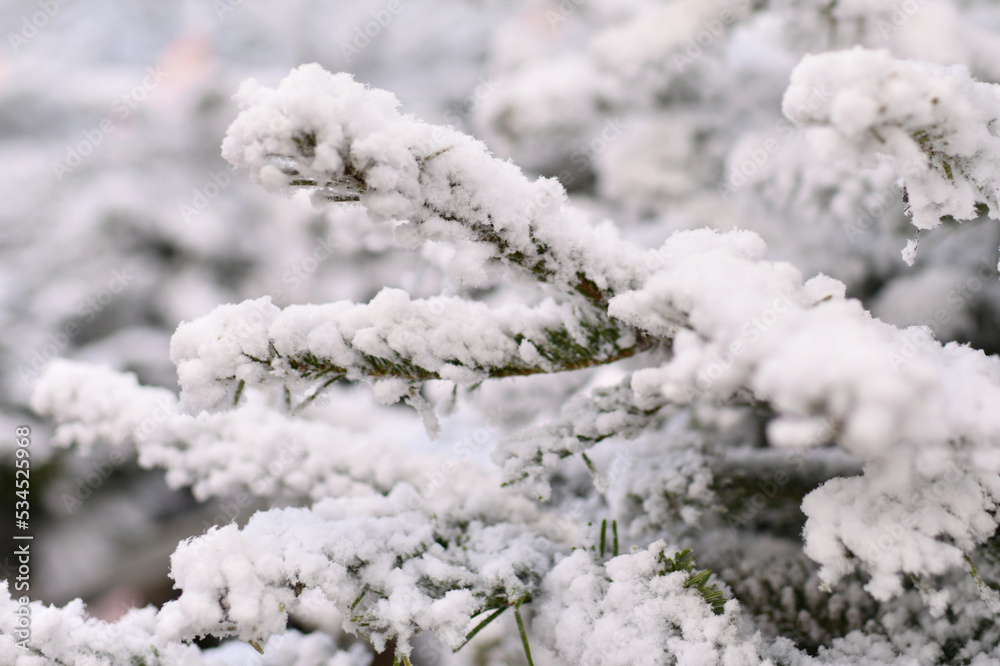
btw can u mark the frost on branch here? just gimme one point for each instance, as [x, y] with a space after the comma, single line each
[801, 363]
[746, 328]
[641, 608]
[413, 550]
[925, 531]
[254, 447]
[896, 398]
[67, 636]
[938, 123]
[393, 342]
[346, 142]
[389, 564]
[585, 421]
[97, 405]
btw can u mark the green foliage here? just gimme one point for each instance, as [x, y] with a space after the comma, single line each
[520, 629]
[698, 580]
[500, 604]
[604, 531]
[927, 139]
[605, 342]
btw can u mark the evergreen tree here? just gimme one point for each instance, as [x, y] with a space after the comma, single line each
[693, 451]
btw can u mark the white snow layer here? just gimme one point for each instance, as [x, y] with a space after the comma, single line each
[937, 122]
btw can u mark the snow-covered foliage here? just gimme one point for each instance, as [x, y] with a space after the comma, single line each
[67, 636]
[657, 314]
[936, 122]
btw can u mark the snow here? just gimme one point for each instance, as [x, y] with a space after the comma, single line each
[810, 410]
[342, 548]
[441, 182]
[585, 610]
[934, 120]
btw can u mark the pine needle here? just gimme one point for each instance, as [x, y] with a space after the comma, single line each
[524, 635]
[482, 625]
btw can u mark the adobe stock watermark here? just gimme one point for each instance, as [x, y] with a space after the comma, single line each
[891, 537]
[121, 108]
[87, 310]
[580, 160]
[289, 456]
[710, 30]
[875, 207]
[956, 299]
[740, 172]
[225, 7]
[32, 25]
[767, 488]
[901, 14]
[557, 527]
[204, 195]
[436, 306]
[299, 272]
[870, 212]
[84, 486]
[217, 181]
[485, 87]
[585, 153]
[469, 446]
[255, 315]
[750, 332]
[563, 11]
[622, 462]
[367, 32]
[294, 276]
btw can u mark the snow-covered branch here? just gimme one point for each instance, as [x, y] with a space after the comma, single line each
[703, 442]
[640, 608]
[345, 142]
[66, 636]
[938, 123]
[829, 371]
[392, 570]
[614, 411]
[419, 552]
[394, 342]
[255, 448]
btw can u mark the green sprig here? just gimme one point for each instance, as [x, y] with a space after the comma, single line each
[696, 580]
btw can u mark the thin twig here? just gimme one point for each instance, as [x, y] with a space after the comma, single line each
[520, 628]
